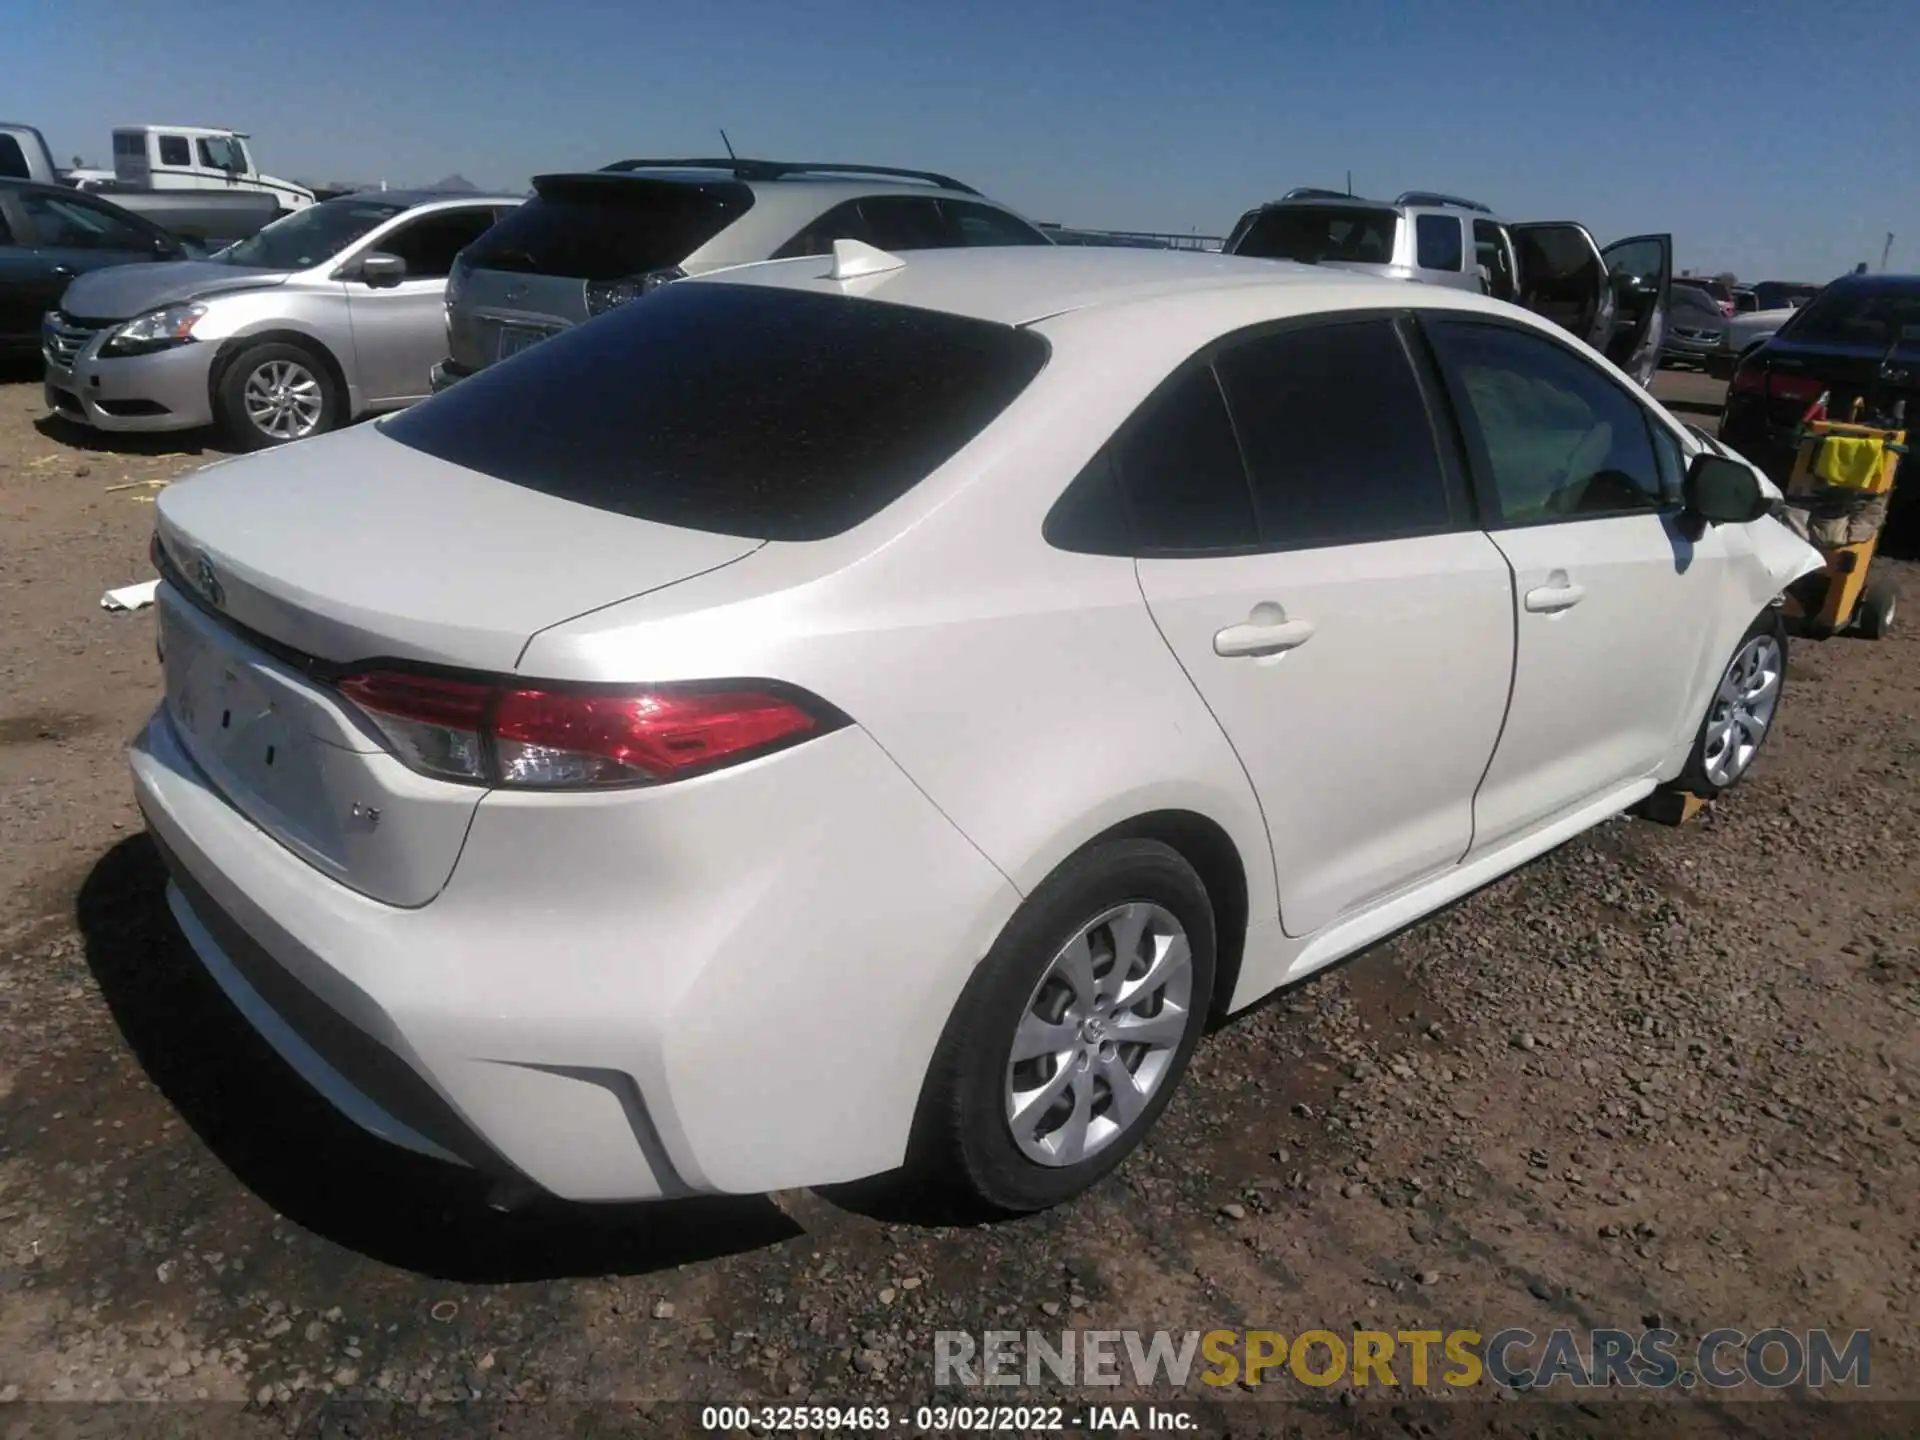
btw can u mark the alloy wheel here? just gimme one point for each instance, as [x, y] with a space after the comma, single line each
[284, 400]
[1742, 710]
[1099, 1034]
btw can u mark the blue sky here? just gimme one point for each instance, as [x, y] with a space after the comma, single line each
[1776, 139]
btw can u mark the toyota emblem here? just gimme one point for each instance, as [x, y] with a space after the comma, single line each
[209, 582]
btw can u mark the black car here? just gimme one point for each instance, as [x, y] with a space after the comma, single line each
[49, 234]
[1859, 338]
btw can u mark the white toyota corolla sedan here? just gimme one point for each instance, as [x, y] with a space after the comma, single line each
[850, 712]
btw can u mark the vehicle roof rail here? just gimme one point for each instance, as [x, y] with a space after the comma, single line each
[1434, 197]
[1315, 192]
[742, 169]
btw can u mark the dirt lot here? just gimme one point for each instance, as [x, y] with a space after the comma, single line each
[1660, 1077]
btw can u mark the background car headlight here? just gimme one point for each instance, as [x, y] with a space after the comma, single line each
[156, 330]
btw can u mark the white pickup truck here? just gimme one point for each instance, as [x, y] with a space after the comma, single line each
[192, 157]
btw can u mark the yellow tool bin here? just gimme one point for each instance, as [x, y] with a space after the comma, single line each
[1837, 499]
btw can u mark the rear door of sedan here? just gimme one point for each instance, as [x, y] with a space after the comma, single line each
[1307, 548]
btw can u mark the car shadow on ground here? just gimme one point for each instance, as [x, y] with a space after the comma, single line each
[307, 1162]
[157, 442]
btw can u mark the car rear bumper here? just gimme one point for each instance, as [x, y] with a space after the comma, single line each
[163, 391]
[733, 984]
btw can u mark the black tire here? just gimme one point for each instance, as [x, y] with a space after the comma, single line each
[962, 1135]
[1873, 612]
[1695, 777]
[230, 404]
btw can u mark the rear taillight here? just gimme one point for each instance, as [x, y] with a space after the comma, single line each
[1801, 389]
[605, 295]
[568, 738]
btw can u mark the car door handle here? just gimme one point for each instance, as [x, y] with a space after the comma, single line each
[1257, 638]
[1552, 599]
[63, 271]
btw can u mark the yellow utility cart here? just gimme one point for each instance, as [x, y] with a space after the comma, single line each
[1837, 499]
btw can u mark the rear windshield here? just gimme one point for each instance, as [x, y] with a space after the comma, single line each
[1313, 233]
[1875, 316]
[1776, 295]
[736, 409]
[609, 227]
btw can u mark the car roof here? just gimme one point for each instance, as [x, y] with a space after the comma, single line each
[1019, 285]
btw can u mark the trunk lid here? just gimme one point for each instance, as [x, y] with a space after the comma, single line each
[1848, 372]
[285, 568]
[352, 546]
[124, 291]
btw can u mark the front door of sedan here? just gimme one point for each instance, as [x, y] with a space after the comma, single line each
[1640, 272]
[1615, 606]
[400, 329]
[1310, 558]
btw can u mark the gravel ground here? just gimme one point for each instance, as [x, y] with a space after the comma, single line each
[1659, 1073]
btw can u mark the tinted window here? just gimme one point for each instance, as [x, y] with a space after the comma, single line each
[1558, 438]
[174, 151]
[905, 222]
[738, 409]
[1670, 460]
[984, 225]
[1437, 238]
[67, 223]
[128, 145]
[1181, 472]
[1560, 274]
[13, 160]
[1875, 315]
[1495, 261]
[1357, 234]
[6, 231]
[843, 222]
[1778, 295]
[610, 228]
[308, 237]
[429, 244]
[1693, 307]
[1333, 460]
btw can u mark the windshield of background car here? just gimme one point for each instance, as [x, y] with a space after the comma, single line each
[1875, 317]
[309, 237]
[743, 410]
[1357, 234]
[609, 227]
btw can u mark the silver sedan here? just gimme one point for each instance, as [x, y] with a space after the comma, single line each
[332, 313]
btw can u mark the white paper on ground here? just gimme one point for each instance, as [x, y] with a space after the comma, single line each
[130, 597]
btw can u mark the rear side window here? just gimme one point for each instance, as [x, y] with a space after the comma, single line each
[1494, 260]
[1437, 242]
[1311, 234]
[1561, 274]
[736, 409]
[983, 225]
[1334, 460]
[175, 151]
[610, 228]
[1181, 472]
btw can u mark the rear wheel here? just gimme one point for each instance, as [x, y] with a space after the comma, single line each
[275, 393]
[1073, 1032]
[1873, 612]
[1740, 714]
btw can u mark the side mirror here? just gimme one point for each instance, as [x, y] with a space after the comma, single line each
[381, 270]
[1719, 491]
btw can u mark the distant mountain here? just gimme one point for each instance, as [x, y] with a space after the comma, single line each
[458, 183]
